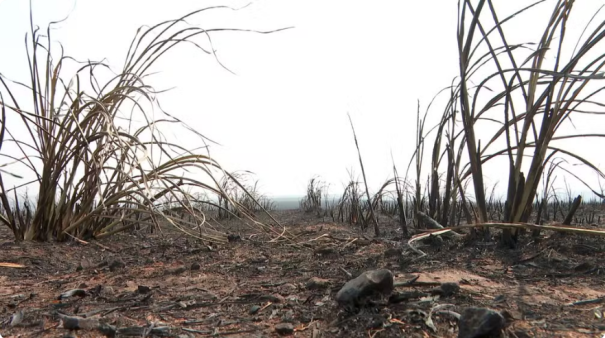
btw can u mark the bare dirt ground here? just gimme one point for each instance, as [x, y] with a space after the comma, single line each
[174, 286]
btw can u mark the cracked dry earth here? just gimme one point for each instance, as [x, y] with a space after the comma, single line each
[167, 285]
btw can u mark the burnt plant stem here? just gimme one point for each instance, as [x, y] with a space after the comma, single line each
[365, 182]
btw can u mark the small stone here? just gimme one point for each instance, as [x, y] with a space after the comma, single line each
[316, 283]
[480, 322]
[254, 309]
[284, 329]
[195, 266]
[288, 289]
[392, 252]
[233, 238]
[367, 284]
[84, 264]
[446, 289]
[288, 316]
[116, 265]
[142, 289]
[16, 318]
[375, 324]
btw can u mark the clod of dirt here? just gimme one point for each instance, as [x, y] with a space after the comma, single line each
[284, 329]
[233, 238]
[84, 264]
[288, 316]
[142, 289]
[368, 283]
[78, 323]
[480, 322]
[446, 289]
[325, 251]
[96, 290]
[435, 241]
[195, 266]
[178, 271]
[392, 252]
[316, 283]
[586, 266]
[116, 265]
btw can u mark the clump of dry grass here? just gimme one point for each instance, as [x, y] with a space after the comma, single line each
[530, 91]
[529, 96]
[94, 165]
[532, 98]
[312, 201]
[241, 196]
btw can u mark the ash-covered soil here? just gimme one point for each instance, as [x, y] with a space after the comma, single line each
[168, 285]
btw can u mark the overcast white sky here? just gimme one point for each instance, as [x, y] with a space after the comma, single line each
[283, 115]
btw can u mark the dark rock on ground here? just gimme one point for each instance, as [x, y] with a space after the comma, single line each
[392, 252]
[142, 289]
[480, 323]
[284, 329]
[254, 309]
[446, 289]
[116, 265]
[367, 284]
[233, 238]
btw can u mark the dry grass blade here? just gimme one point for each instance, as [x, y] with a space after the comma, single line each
[363, 172]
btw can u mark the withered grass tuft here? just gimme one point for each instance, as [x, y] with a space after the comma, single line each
[95, 164]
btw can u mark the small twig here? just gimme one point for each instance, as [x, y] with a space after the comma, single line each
[322, 236]
[587, 301]
[86, 243]
[434, 224]
[365, 181]
[11, 265]
[266, 306]
[346, 272]
[449, 312]
[350, 242]
[304, 328]
[228, 333]
[530, 257]
[422, 254]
